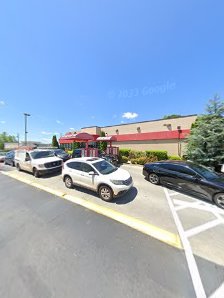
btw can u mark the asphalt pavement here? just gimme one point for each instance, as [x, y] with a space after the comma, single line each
[50, 247]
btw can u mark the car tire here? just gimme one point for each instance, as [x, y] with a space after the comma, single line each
[106, 193]
[153, 178]
[36, 173]
[219, 200]
[18, 167]
[68, 182]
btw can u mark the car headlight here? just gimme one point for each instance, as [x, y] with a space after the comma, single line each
[40, 166]
[117, 182]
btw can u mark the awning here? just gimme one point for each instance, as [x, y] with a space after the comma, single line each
[107, 139]
[79, 137]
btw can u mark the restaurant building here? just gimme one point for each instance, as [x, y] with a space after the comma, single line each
[161, 134]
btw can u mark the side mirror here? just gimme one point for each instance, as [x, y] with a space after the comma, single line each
[92, 173]
[27, 159]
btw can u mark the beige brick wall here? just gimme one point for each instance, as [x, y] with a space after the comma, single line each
[171, 146]
[95, 130]
[151, 126]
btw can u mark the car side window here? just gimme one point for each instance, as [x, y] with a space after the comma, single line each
[86, 168]
[186, 171]
[178, 169]
[74, 165]
[27, 156]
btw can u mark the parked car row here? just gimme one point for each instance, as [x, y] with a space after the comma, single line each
[101, 176]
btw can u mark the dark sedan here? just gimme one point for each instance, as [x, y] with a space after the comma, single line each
[10, 158]
[187, 177]
[61, 154]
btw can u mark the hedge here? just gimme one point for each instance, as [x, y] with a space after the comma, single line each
[124, 152]
[174, 157]
[160, 154]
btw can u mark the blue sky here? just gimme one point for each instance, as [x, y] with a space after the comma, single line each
[73, 63]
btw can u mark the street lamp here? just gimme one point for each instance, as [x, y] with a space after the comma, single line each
[26, 132]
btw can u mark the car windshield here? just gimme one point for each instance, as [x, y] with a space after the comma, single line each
[59, 151]
[204, 172]
[41, 154]
[104, 167]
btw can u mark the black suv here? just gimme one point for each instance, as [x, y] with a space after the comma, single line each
[187, 177]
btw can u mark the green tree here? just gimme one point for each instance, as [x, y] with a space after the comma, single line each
[55, 141]
[5, 138]
[102, 146]
[206, 140]
[172, 116]
[75, 145]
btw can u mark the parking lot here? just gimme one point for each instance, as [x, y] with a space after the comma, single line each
[198, 224]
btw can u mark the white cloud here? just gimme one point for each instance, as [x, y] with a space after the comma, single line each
[129, 115]
[46, 133]
[2, 122]
[59, 122]
[55, 133]
[72, 128]
[2, 103]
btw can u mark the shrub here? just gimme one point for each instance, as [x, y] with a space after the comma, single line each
[124, 152]
[160, 154]
[174, 157]
[133, 160]
[136, 154]
[124, 159]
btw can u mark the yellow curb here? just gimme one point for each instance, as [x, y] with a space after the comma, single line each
[139, 225]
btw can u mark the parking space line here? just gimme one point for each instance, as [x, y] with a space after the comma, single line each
[218, 293]
[202, 228]
[137, 224]
[192, 265]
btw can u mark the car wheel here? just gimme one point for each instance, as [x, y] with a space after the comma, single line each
[153, 178]
[106, 193]
[18, 167]
[219, 200]
[68, 182]
[36, 173]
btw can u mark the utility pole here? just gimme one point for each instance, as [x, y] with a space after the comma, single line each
[26, 132]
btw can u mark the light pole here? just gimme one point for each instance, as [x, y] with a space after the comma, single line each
[26, 132]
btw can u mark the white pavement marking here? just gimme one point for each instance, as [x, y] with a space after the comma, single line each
[195, 276]
[173, 194]
[218, 293]
[202, 228]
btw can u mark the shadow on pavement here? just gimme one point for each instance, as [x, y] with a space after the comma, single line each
[125, 199]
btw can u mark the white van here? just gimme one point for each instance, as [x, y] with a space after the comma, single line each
[36, 161]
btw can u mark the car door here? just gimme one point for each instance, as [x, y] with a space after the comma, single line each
[86, 180]
[74, 170]
[167, 173]
[27, 163]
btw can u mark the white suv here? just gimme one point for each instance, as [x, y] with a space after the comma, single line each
[98, 175]
[37, 161]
